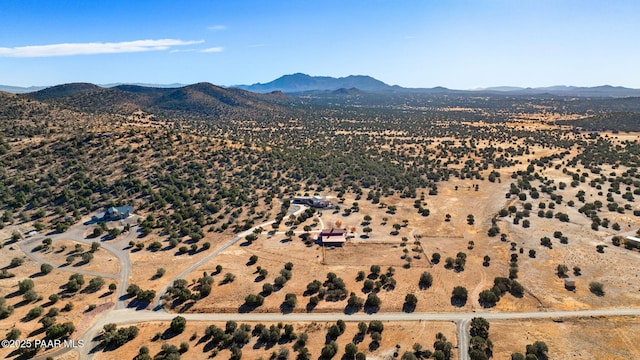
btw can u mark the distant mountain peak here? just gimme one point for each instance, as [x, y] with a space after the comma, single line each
[299, 82]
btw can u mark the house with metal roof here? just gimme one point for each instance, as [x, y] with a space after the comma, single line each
[117, 213]
[114, 213]
[315, 201]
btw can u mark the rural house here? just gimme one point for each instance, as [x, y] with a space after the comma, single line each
[315, 201]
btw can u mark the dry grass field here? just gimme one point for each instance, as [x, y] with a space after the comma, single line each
[583, 338]
[385, 248]
[58, 253]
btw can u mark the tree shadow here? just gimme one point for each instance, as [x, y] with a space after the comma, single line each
[9, 267]
[310, 307]
[351, 309]
[138, 304]
[12, 295]
[108, 293]
[408, 308]
[168, 334]
[371, 309]
[245, 308]
[457, 302]
[27, 317]
[286, 308]
[125, 297]
[187, 306]
[37, 332]
[10, 242]
[47, 304]
[24, 354]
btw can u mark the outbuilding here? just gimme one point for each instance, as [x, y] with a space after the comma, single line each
[332, 237]
[632, 241]
[570, 283]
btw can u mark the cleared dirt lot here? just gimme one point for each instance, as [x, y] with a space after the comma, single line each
[584, 338]
[103, 261]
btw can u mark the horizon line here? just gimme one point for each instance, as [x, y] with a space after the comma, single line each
[180, 84]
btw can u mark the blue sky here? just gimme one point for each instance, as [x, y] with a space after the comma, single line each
[460, 44]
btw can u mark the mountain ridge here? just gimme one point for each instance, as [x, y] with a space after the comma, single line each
[202, 100]
[299, 83]
[303, 83]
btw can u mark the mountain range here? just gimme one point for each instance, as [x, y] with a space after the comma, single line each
[302, 83]
[201, 100]
[29, 89]
[574, 91]
[299, 83]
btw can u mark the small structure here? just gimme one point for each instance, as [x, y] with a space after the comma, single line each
[632, 242]
[315, 201]
[332, 237]
[569, 283]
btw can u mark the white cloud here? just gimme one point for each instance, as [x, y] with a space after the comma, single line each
[182, 50]
[217, 27]
[213, 50]
[70, 49]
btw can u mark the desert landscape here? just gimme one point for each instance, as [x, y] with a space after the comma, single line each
[419, 227]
